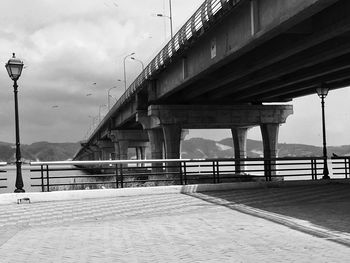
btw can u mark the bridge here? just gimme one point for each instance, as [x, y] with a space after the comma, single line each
[225, 68]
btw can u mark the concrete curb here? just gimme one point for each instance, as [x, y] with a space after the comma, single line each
[11, 198]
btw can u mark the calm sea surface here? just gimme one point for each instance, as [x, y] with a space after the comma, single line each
[10, 175]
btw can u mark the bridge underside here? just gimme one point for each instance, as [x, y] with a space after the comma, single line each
[273, 66]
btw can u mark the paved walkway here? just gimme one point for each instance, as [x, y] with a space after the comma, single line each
[155, 228]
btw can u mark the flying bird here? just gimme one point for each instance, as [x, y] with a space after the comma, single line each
[55, 106]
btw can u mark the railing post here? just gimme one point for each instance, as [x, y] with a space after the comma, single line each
[347, 167]
[121, 176]
[47, 178]
[42, 178]
[217, 172]
[116, 176]
[313, 168]
[180, 173]
[214, 173]
[185, 173]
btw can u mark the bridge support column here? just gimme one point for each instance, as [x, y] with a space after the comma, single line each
[123, 139]
[116, 150]
[123, 150]
[140, 154]
[269, 132]
[239, 135]
[172, 139]
[106, 148]
[268, 117]
[96, 152]
[156, 139]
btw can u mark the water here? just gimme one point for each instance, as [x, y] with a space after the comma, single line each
[10, 175]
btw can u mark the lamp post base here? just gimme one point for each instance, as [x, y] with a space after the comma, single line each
[19, 191]
[325, 172]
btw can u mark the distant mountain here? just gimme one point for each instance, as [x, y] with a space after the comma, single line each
[202, 148]
[192, 148]
[39, 151]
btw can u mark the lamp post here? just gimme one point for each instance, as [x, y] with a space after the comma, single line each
[133, 53]
[142, 65]
[170, 18]
[99, 112]
[14, 68]
[322, 92]
[109, 90]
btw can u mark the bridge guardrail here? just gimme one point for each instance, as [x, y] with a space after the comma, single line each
[195, 26]
[134, 173]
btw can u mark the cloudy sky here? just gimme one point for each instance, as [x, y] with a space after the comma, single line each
[73, 53]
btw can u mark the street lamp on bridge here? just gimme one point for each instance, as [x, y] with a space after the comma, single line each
[14, 68]
[133, 53]
[322, 92]
[170, 17]
[109, 95]
[99, 112]
[142, 65]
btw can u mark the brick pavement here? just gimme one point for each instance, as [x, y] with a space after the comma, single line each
[154, 228]
[324, 205]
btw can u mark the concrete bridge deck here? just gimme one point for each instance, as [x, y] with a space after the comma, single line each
[217, 226]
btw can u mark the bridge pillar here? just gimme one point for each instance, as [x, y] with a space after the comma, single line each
[89, 154]
[268, 117]
[123, 149]
[172, 139]
[96, 152]
[269, 132]
[239, 136]
[156, 140]
[107, 148]
[123, 139]
[116, 150]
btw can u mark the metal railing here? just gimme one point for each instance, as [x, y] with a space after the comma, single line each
[51, 176]
[341, 166]
[194, 27]
[2, 179]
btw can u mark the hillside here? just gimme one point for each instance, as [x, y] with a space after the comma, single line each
[192, 148]
[202, 148]
[43, 151]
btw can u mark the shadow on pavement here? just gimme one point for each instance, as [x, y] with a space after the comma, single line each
[325, 205]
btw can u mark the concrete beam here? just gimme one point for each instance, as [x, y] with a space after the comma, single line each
[208, 116]
[129, 135]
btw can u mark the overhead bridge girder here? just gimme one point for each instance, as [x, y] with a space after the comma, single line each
[218, 116]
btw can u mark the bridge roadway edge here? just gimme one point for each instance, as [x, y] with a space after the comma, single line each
[198, 191]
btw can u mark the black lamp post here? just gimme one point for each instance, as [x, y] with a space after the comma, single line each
[14, 68]
[322, 92]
